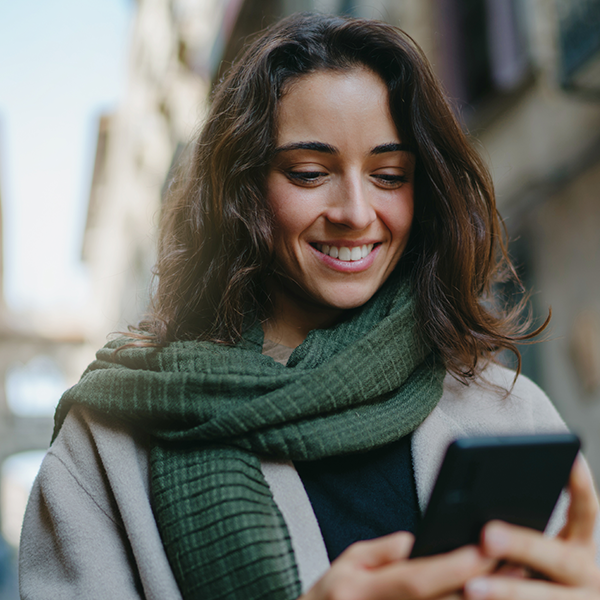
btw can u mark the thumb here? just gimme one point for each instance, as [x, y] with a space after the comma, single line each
[583, 508]
[382, 551]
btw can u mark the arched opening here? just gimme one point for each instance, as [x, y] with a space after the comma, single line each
[33, 389]
[17, 476]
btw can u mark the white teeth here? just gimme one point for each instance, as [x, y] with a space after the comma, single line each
[344, 253]
[356, 253]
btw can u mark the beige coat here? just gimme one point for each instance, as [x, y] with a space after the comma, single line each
[90, 533]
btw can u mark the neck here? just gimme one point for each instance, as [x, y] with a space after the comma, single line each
[293, 318]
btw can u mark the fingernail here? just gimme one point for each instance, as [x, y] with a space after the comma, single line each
[477, 588]
[496, 538]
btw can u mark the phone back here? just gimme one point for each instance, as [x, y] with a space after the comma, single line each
[517, 479]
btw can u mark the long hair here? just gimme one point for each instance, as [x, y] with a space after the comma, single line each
[216, 241]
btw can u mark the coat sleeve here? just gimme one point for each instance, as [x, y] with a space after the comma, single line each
[89, 531]
[71, 547]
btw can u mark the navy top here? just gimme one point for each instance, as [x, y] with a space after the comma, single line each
[362, 496]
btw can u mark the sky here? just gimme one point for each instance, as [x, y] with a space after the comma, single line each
[62, 63]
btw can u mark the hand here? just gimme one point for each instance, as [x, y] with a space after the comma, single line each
[379, 570]
[567, 562]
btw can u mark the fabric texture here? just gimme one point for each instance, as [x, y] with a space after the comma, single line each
[211, 410]
[89, 512]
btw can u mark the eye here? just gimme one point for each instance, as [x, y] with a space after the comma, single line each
[389, 180]
[307, 178]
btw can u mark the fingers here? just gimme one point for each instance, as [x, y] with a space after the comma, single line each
[507, 588]
[511, 570]
[432, 577]
[380, 551]
[358, 574]
[569, 564]
[583, 508]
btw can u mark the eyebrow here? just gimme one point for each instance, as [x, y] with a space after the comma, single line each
[329, 149]
[383, 148]
[314, 146]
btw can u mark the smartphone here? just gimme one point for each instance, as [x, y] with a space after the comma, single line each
[517, 479]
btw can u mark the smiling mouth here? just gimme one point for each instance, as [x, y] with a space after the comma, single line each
[345, 253]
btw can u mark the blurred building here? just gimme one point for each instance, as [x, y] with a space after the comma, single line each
[526, 79]
[165, 97]
[35, 369]
[524, 76]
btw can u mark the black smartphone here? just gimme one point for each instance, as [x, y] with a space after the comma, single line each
[517, 479]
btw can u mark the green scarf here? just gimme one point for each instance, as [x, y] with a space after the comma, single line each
[212, 410]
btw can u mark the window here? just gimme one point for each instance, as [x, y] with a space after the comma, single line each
[33, 389]
[579, 43]
[482, 50]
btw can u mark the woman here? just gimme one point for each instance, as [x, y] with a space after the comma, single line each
[322, 272]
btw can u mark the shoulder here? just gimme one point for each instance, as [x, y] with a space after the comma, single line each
[102, 462]
[496, 402]
[90, 513]
[91, 445]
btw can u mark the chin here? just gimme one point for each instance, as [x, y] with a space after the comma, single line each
[345, 301]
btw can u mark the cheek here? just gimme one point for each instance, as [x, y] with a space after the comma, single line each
[285, 223]
[291, 214]
[280, 208]
[399, 220]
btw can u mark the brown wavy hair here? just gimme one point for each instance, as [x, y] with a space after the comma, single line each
[216, 241]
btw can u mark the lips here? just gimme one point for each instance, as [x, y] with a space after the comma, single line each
[346, 253]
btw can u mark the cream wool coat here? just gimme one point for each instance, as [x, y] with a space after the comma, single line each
[89, 530]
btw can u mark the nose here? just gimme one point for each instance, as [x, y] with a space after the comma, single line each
[350, 205]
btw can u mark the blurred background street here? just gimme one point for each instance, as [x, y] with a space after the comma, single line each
[99, 98]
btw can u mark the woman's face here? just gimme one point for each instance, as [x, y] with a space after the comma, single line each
[341, 190]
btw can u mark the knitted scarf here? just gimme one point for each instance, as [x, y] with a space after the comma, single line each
[212, 410]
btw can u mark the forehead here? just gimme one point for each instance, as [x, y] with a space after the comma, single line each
[335, 104]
